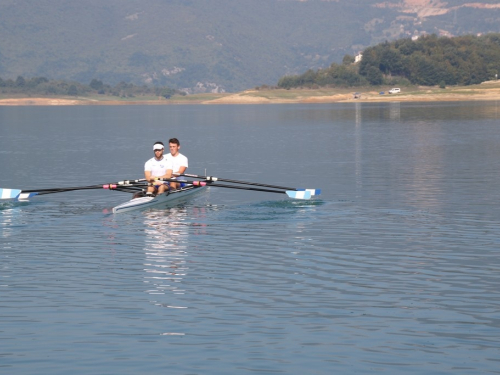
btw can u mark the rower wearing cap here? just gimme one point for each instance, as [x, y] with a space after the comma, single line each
[156, 168]
[179, 161]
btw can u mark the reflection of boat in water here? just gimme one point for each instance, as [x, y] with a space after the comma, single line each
[170, 196]
[167, 233]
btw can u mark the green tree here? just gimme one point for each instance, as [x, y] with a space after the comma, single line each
[347, 60]
[36, 81]
[72, 90]
[287, 82]
[167, 92]
[20, 81]
[96, 84]
[391, 62]
[374, 76]
[370, 59]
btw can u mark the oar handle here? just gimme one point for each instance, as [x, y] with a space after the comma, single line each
[130, 182]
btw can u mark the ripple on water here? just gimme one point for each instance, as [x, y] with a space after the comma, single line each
[293, 284]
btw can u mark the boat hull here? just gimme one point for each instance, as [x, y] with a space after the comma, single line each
[147, 202]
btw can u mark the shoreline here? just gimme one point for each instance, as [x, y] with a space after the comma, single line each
[487, 91]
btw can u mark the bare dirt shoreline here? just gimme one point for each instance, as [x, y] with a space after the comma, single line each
[487, 91]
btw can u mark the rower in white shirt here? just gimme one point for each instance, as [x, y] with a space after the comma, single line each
[157, 168]
[179, 161]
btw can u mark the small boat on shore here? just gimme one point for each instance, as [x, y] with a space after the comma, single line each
[150, 201]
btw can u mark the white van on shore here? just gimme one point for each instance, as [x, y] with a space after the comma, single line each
[394, 90]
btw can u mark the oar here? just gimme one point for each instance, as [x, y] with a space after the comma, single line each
[25, 194]
[292, 194]
[211, 178]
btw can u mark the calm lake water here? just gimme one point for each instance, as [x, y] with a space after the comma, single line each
[394, 269]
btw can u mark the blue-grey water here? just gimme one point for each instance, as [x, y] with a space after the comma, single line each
[395, 268]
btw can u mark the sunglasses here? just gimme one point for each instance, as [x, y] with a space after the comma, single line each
[159, 150]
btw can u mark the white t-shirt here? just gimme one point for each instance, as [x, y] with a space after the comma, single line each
[158, 167]
[178, 161]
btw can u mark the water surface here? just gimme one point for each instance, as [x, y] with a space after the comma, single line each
[395, 268]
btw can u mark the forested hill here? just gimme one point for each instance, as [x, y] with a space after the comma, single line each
[213, 45]
[429, 60]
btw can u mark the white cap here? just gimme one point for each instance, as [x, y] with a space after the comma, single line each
[158, 146]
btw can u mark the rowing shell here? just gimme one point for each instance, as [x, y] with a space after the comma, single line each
[146, 202]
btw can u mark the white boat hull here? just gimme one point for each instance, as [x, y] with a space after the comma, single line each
[146, 202]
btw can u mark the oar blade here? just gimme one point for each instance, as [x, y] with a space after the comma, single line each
[15, 194]
[299, 194]
[9, 193]
[25, 196]
[312, 191]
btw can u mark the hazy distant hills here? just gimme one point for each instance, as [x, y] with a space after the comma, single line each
[205, 45]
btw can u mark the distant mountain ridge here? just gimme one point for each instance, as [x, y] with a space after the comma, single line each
[213, 45]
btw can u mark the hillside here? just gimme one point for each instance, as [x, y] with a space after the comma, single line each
[428, 60]
[212, 45]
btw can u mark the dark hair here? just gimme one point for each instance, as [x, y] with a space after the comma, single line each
[174, 140]
[159, 143]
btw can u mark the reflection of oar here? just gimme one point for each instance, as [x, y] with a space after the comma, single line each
[213, 179]
[25, 194]
[292, 194]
